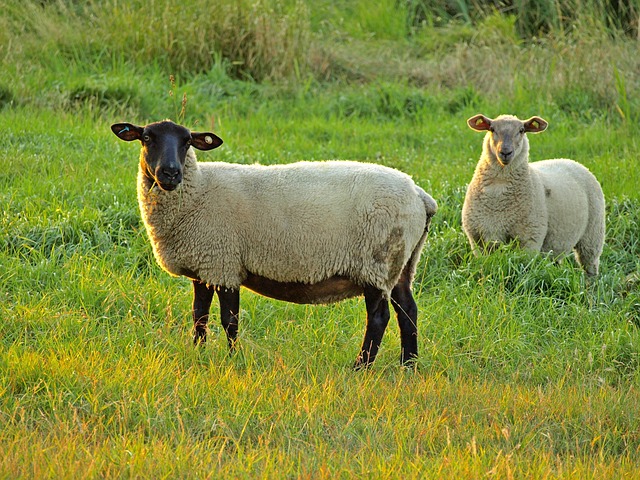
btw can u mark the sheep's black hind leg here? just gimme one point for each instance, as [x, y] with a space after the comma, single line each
[377, 320]
[202, 297]
[229, 310]
[407, 312]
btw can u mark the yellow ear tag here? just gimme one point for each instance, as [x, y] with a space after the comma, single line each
[479, 121]
[535, 124]
[208, 139]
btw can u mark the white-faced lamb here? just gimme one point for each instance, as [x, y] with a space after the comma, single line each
[307, 232]
[551, 206]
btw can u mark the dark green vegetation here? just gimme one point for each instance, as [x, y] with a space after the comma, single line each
[525, 370]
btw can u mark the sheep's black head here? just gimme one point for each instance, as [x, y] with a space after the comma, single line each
[164, 148]
[506, 134]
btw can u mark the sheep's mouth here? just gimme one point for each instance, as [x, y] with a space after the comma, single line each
[505, 159]
[167, 187]
[167, 179]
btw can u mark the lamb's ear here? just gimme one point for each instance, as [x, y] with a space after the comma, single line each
[479, 123]
[127, 131]
[205, 140]
[535, 125]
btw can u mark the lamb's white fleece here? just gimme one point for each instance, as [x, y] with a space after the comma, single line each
[551, 206]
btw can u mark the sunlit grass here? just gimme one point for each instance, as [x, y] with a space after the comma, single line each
[526, 370]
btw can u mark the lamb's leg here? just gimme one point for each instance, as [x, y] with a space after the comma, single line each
[377, 320]
[407, 312]
[202, 297]
[589, 258]
[589, 248]
[229, 309]
[474, 242]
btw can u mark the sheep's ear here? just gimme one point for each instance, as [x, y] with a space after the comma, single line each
[479, 123]
[127, 131]
[205, 141]
[535, 125]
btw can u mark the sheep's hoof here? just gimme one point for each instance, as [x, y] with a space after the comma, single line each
[199, 338]
[410, 364]
[409, 360]
[361, 364]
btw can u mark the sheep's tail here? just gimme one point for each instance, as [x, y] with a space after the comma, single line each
[430, 205]
[430, 208]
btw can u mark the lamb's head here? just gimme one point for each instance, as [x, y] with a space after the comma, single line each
[164, 149]
[506, 135]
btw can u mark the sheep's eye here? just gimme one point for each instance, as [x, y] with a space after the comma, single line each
[146, 138]
[521, 130]
[492, 130]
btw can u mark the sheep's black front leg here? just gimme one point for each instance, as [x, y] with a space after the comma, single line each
[377, 320]
[229, 309]
[202, 297]
[407, 312]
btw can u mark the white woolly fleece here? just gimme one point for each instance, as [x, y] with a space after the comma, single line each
[551, 206]
[304, 222]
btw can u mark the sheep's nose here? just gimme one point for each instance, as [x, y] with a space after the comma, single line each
[170, 173]
[505, 156]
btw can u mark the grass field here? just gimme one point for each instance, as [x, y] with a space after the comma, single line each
[525, 369]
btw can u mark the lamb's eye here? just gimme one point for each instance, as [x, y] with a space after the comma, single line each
[146, 138]
[521, 130]
[492, 130]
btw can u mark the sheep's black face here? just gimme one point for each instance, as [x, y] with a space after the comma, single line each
[164, 149]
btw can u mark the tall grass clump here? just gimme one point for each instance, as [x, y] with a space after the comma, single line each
[577, 57]
[257, 39]
[533, 18]
[582, 68]
[361, 19]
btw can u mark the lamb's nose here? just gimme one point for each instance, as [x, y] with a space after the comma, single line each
[506, 153]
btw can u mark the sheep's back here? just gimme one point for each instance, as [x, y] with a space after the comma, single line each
[308, 221]
[573, 197]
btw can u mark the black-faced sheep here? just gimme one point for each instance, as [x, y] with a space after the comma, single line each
[552, 206]
[308, 232]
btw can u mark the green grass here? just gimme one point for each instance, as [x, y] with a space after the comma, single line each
[525, 370]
